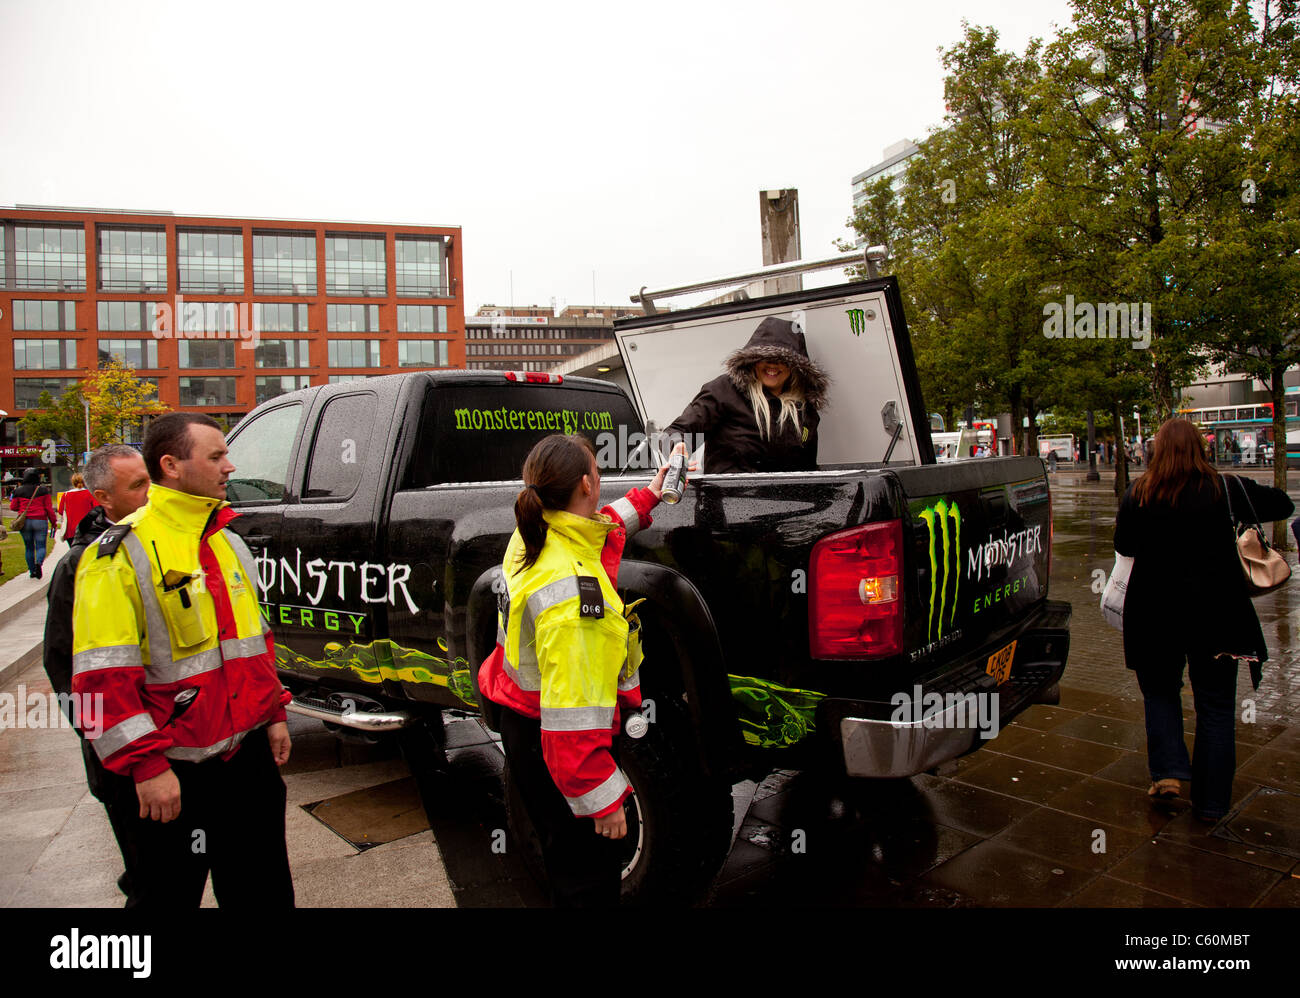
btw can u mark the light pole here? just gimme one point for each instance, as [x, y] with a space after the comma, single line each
[86, 403]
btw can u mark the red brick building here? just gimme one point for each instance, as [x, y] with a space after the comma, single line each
[221, 313]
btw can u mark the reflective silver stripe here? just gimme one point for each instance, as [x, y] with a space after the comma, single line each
[123, 734]
[526, 678]
[245, 556]
[577, 718]
[160, 648]
[549, 596]
[184, 668]
[540, 601]
[631, 682]
[112, 657]
[600, 798]
[627, 513]
[249, 647]
[186, 753]
[501, 637]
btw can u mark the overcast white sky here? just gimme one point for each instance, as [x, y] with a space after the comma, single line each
[566, 138]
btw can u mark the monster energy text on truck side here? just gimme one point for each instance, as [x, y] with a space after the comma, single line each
[877, 616]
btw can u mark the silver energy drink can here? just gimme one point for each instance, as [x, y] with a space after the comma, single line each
[674, 479]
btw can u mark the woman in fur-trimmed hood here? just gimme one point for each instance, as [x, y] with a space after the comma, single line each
[761, 415]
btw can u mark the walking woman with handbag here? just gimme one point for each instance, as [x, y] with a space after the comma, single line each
[31, 501]
[1188, 604]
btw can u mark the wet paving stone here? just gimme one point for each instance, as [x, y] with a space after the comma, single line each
[1284, 895]
[999, 875]
[970, 809]
[1107, 892]
[1269, 821]
[1074, 754]
[1044, 718]
[1081, 843]
[1188, 831]
[1119, 804]
[1274, 768]
[1199, 877]
[1110, 731]
[1020, 778]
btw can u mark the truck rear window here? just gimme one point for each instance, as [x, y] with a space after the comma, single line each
[484, 433]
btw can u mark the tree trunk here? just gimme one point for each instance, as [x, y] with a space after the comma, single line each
[1278, 386]
[1121, 453]
[1016, 415]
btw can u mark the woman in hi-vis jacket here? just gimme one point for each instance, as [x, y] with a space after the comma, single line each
[566, 664]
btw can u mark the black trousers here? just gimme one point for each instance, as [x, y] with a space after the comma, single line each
[584, 868]
[231, 825]
[117, 794]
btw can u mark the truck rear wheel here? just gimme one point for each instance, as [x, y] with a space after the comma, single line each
[679, 822]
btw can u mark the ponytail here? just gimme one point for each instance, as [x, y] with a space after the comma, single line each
[552, 470]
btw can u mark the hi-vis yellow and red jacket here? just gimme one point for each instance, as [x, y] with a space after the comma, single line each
[555, 660]
[166, 603]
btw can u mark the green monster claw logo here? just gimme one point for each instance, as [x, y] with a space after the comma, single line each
[383, 659]
[857, 320]
[937, 517]
[773, 716]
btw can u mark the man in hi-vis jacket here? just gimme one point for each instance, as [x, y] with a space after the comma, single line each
[167, 631]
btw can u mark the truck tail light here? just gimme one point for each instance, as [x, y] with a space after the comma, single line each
[855, 598]
[536, 377]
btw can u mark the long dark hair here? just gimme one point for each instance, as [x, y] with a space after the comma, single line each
[1178, 461]
[552, 470]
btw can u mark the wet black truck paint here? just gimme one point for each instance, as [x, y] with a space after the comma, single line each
[378, 542]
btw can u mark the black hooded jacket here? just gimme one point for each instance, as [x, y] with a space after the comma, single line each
[722, 412]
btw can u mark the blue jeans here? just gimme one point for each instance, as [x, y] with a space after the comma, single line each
[1214, 756]
[34, 532]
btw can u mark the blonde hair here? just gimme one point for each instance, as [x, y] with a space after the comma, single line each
[77, 481]
[790, 400]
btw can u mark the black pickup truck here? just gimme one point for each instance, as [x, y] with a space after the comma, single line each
[879, 615]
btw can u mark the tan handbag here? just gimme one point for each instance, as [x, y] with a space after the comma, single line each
[1264, 569]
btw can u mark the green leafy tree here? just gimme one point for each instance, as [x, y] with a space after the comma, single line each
[58, 420]
[119, 402]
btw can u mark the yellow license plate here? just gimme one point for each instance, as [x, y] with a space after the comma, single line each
[999, 666]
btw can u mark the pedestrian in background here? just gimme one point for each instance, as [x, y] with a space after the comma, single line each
[74, 504]
[1174, 523]
[32, 499]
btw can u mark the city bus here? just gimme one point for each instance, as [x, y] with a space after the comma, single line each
[1243, 434]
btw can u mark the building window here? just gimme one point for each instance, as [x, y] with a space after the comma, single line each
[50, 256]
[271, 387]
[136, 353]
[45, 316]
[206, 353]
[210, 262]
[353, 353]
[207, 391]
[280, 318]
[352, 318]
[27, 391]
[355, 265]
[421, 318]
[132, 260]
[126, 316]
[421, 353]
[284, 263]
[420, 266]
[281, 353]
[45, 355]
